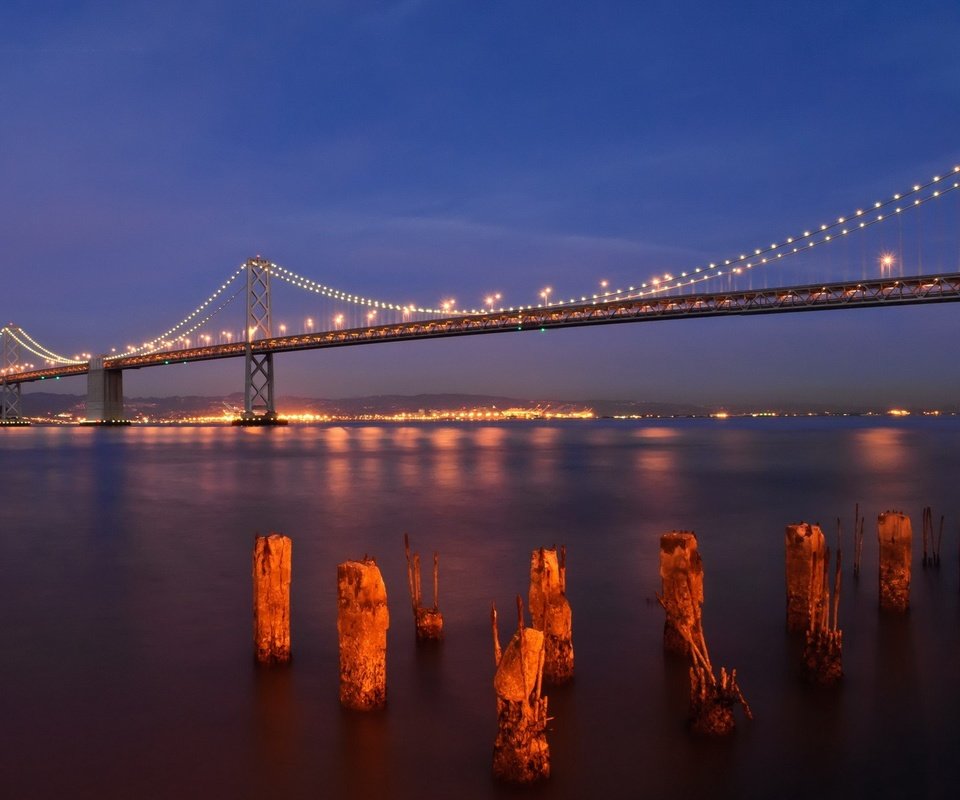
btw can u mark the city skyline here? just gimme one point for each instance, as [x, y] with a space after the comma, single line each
[415, 151]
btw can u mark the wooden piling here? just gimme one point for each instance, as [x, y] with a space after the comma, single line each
[805, 547]
[428, 621]
[362, 623]
[271, 598]
[550, 612]
[823, 652]
[681, 574]
[895, 536]
[712, 698]
[521, 753]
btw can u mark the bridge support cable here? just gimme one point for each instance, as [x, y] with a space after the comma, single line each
[258, 404]
[10, 408]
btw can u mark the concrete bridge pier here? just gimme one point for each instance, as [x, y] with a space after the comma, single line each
[104, 394]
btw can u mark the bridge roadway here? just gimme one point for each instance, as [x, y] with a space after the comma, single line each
[821, 297]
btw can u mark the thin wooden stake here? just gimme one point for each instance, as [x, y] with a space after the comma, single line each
[497, 652]
[836, 593]
[523, 671]
[416, 578]
[410, 583]
[936, 553]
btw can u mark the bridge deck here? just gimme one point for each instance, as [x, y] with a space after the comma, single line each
[821, 297]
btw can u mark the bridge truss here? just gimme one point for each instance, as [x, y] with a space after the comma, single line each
[887, 293]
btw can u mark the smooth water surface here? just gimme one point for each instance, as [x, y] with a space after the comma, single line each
[127, 669]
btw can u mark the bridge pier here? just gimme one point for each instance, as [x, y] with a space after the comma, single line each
[104, 395]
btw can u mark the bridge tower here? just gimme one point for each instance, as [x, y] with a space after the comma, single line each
[10, 408]
[258, 405]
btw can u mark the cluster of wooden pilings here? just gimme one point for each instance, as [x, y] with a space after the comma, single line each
[537, 655]
[542, 654]
[814, 608]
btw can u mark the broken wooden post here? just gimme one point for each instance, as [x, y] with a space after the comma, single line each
[362, 622]
[711, 698]
[550, 612]
[520, 753]
[271, 598]
[681, 573]
[805, 548]
[896, 537]
[428, 621]
[823, 652]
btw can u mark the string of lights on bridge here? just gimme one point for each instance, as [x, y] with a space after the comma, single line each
[860, 219]
[180, 331]
[31, 345]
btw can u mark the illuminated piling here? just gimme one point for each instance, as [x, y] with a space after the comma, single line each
[362, 622]
[681, 573]
[823, 652]
[520, 753]
[896, 538]
[271, 597]
[428, 621]
[550, 612]
[712, 698]
[805, 549]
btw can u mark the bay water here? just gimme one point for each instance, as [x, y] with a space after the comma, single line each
[127, 669]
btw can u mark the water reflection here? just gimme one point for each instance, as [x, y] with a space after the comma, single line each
[337, 439]
[131, 581]
[364, 763]
[882, 449]
[447, 470]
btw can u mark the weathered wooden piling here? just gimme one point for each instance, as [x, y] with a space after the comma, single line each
[550, 612]
[896, 537]
[362, 622]
[271, 598]
[681, 574]
[428, 621]
[712, 698]
[805, 548]
[521, 753]
[823, 652]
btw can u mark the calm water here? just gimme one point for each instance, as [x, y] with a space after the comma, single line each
[126, 668]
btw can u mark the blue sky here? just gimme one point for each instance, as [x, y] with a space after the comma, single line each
[421, 150]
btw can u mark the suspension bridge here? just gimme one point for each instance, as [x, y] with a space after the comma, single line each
[354, 319]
